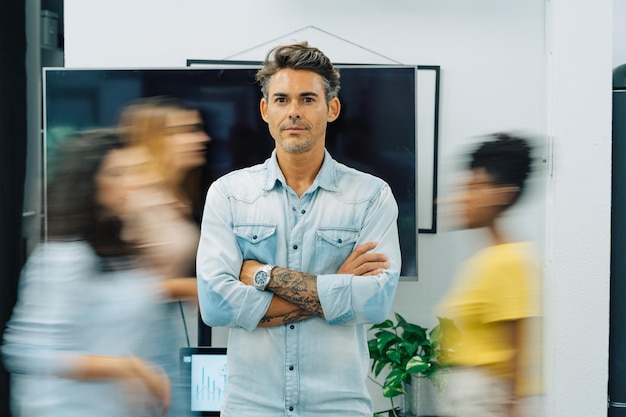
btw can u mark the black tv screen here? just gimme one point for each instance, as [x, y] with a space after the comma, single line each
[375, 132]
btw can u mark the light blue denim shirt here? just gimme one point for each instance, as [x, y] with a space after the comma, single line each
[317, 367]
[69, 305]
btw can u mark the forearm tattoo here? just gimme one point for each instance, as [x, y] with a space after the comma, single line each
[291, 317]
[296, 287]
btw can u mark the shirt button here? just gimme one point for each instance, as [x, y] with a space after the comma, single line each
[295, 246]
[291, 367]
[292, 327]
[293, 208]
[290, 408]
[339, 240]
[303, 211]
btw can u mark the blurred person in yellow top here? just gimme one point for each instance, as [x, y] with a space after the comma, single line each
[495, 300]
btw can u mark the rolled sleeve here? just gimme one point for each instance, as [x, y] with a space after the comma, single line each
[223, 299]
[336, 298]
[229, 303]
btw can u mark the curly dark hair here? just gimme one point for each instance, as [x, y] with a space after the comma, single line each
[506, 158]
[299, 56]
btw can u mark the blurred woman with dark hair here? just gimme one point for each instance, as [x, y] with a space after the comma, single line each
[75, 342]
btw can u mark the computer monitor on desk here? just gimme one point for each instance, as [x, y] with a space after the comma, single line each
[204, 368]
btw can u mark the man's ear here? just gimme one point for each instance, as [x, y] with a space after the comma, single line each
[263, 108]
[334, 107]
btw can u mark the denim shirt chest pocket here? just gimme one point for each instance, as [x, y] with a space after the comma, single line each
[333, 245]
[257, 241]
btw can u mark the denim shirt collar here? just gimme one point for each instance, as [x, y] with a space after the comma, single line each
[326, 177]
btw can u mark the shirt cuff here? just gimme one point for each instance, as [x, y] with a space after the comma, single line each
[335, 294]
[255, 307]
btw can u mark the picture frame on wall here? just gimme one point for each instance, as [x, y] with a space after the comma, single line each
[428, 88]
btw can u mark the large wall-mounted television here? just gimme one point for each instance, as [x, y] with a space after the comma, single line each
[375, 132]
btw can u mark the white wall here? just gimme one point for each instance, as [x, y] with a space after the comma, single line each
[619, 32]
[494, 72]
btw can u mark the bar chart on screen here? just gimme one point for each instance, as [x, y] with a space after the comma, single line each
[208, 382]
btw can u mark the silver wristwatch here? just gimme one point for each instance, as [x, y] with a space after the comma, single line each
[262, 276]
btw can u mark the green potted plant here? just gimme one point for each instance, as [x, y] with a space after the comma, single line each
[406, 350]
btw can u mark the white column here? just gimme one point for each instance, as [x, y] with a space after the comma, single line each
[579, 45]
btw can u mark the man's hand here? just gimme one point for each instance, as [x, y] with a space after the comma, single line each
[362, 263]
[248, 269]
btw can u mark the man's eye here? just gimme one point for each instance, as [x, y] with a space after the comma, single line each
[308, 99]
[281, 100]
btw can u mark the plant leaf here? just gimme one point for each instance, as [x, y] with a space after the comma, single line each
[401, 320]
[394, 355]
[373, 348]
[417, 364]
[387, 324]
[393, 382]
[390, 392]
[414, 328]
[384, 339]
[435, 333]
[378, 367]
[408, 348]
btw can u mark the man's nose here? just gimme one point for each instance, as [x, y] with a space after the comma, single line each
[294, 111]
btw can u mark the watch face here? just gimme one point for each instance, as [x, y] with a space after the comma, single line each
[260, 278]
